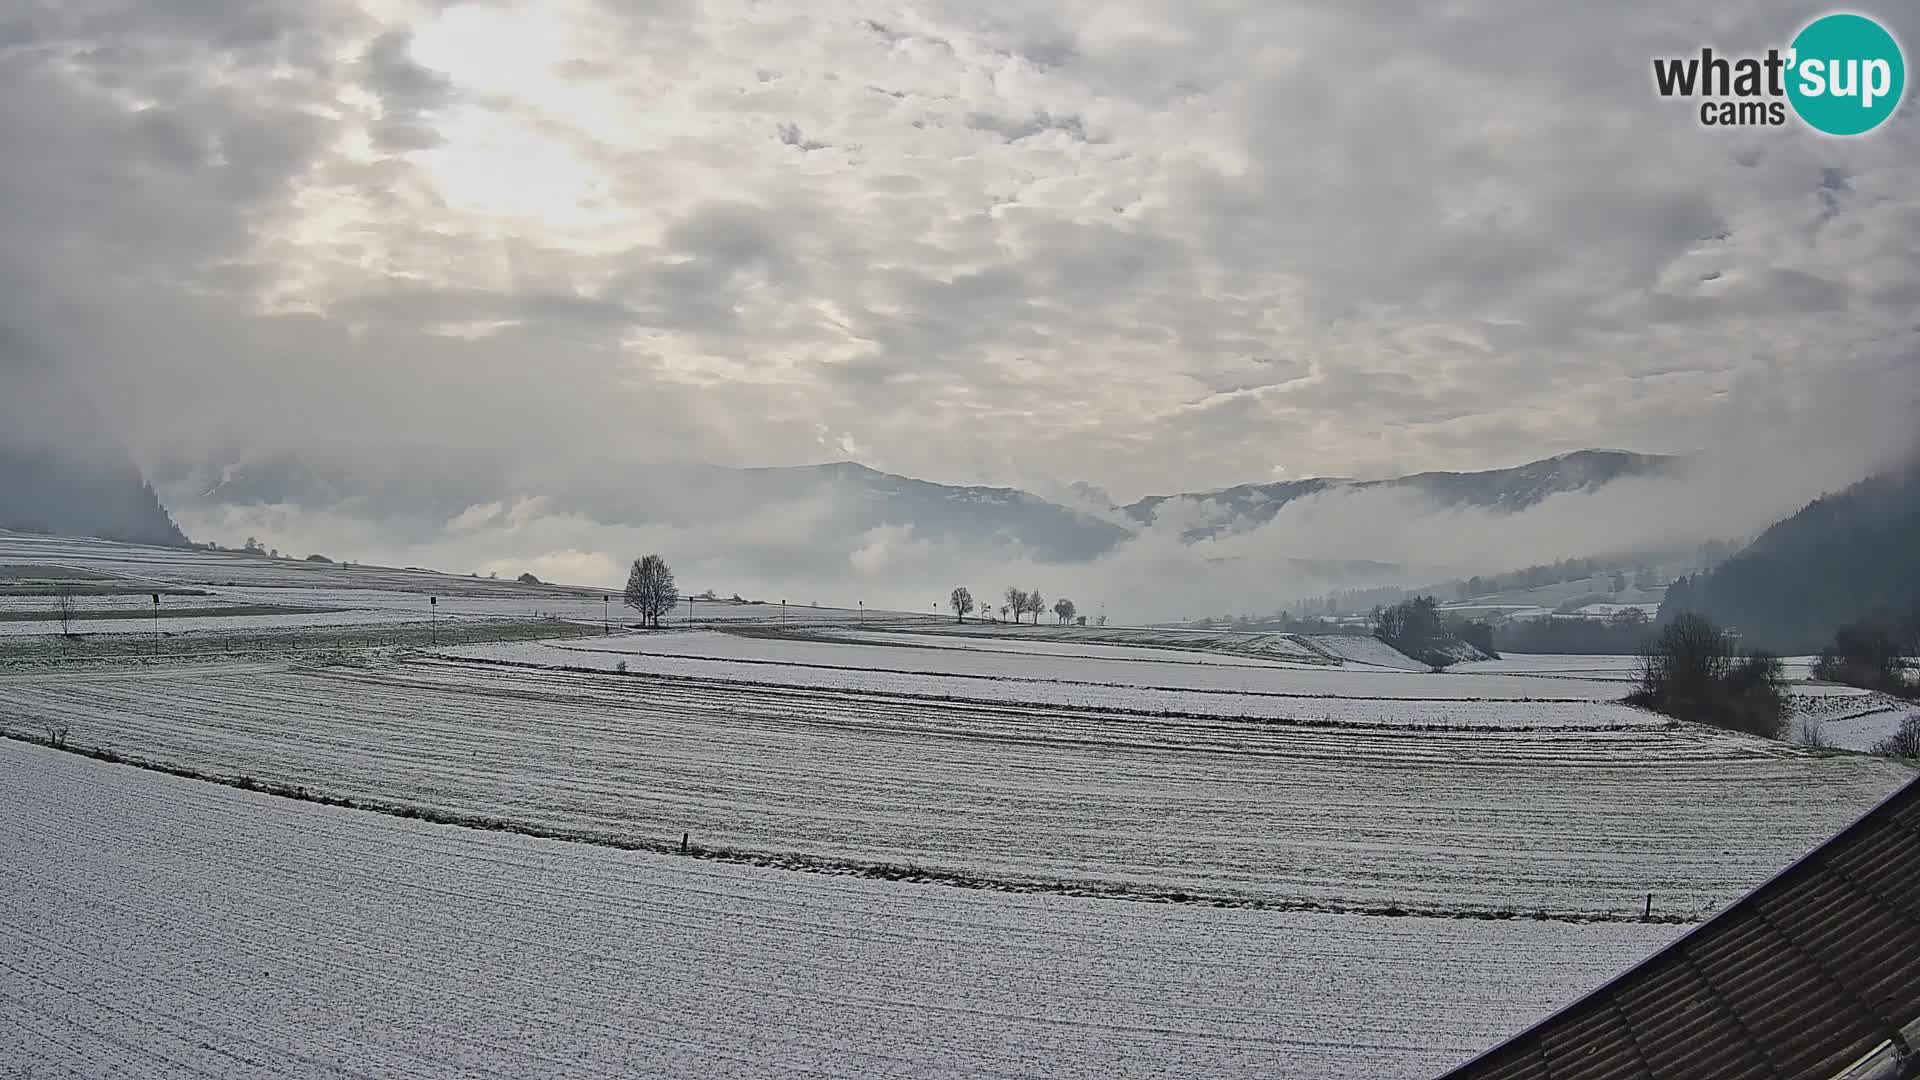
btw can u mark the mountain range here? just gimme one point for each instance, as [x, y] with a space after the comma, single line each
[434, 487]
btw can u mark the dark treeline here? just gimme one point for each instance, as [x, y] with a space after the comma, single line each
[1845, 558]
[1417, 628]
[1624, 634]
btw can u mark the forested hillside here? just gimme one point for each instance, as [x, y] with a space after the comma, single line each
[1845, 557]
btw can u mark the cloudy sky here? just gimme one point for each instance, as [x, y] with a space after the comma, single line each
[1155, 246]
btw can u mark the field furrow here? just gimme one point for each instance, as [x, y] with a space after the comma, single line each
[167, 928]
[1580, 823]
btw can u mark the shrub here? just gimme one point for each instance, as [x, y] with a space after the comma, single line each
[1415, 628]
[1691, 672]
[1868, 655]
[1904, 742]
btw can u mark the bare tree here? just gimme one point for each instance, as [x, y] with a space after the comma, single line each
[650, 589]
[1691, 671]
[1063, 610]
[1004, 608]
[1035, 605]
[63, 608]
[1905, 740]
[1016, 602]
[961, 601]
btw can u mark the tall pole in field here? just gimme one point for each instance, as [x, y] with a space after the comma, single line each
[156, 623]
[433, 618]
[606, 616]
[783, 614]
[863, 612]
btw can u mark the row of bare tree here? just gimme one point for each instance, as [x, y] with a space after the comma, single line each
[1018, 602]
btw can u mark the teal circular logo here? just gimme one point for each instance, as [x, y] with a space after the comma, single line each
[1846, 74]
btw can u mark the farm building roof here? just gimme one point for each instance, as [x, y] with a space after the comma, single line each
[1815, 974]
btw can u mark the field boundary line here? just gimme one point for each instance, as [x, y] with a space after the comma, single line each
[801, 862]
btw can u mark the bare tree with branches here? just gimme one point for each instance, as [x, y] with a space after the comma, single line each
[961, 601]
[1063, 610]
[1016, 603]
[650, 589]
[1035, 605]
[63, 609]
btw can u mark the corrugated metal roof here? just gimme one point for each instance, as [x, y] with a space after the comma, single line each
[1801, 978]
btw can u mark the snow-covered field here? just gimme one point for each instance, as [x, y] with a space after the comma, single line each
[1857, 721]
[336, 595]
[1576, 822]
[1014, 645]
[164, 928]
[786, 659]
[1258, 644]
[1351, 708]
[1365, 650]
[158, 926]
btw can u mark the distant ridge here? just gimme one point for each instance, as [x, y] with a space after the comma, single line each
[1249, 506]
[62, 470]
[1849, 555]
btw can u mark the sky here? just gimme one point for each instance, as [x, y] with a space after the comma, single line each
[1153, 246]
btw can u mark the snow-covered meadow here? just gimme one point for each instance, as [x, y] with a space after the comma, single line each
[786, 658]
[1579, 822]
[1207, 852]
[166, 928]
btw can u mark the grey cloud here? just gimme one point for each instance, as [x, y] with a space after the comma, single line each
[1015, 129]
[408, 93]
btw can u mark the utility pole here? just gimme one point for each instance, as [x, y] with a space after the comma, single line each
[783, 614]
[863, 612]
[156, 624]
[606, 616]
[433, 618]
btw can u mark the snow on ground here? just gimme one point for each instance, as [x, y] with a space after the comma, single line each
[1365, 650]
[1016, 646]
[360, 594]
[1580, 823]
[1607, 611]
[1626, 669]
[167, 928]
[1251, 643]
[1356, 700]
[123, 602]
[194, 624]
[1852, 722]
[787, 658]
[1405, 713]
[1865, 730]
